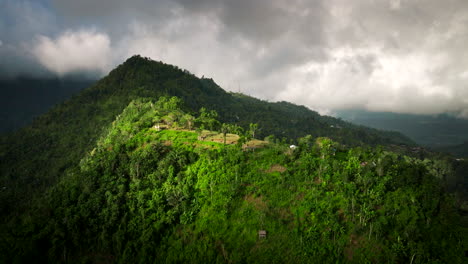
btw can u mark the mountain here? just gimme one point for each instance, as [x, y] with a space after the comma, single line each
[428, 130]
[35, 154]
[125, 172]
[460, 150]
[153, 189]
[24, 98]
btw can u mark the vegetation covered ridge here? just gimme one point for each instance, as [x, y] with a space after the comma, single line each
[155, 188]
[34, 158]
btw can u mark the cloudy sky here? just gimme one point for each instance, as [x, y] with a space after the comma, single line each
[405, 56]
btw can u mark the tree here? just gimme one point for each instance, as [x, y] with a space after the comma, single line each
[199, 131]
[236, 129]
[168, 103]
[208, 118]
[252, 129]
[170, 119]
[306, 141]
[188, 121]
[225, 128]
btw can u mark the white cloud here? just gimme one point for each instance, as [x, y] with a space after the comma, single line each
[84, 50]
[374, 80]
[390, 55]
[395, 4]
[191, 43]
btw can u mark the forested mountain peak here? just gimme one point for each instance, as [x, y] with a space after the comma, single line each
[74, 126]
[116, 116]
[156, 186]
[145, 77]
[145, 71]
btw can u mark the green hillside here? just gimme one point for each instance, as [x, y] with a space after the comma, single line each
[155, 189]
[125, 173]
[34, 157]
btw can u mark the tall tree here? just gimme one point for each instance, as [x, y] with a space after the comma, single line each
[253, 127]
[208, 118]
[188, 121]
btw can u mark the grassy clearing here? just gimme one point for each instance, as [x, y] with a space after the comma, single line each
[207, 139]
[231, 139]
[255, 143]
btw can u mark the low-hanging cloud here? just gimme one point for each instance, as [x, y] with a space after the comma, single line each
[403, 56]
[84, 51]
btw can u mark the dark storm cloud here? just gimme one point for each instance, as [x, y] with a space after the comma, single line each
[19, 20]
[389, 55]
[261, 24]
[15, 62]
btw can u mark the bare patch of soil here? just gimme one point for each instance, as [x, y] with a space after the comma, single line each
[256, 202]
[276, 168]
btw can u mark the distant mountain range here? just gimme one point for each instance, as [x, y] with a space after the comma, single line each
[24, 98]
[432, 131]
[460, 150]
